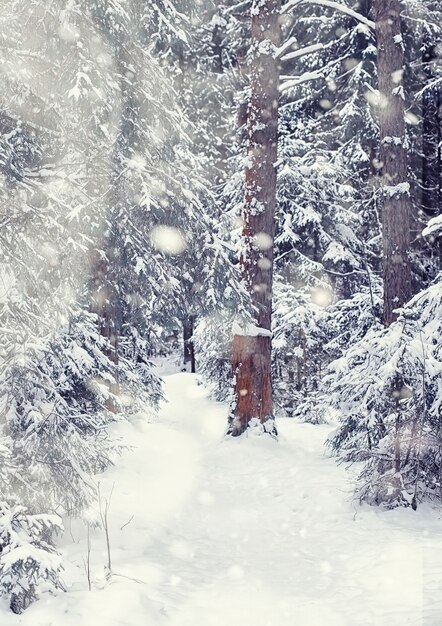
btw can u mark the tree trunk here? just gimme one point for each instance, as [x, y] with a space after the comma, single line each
[395, 200]
[252, 350]
[108, 268]
[104, 301]
[189, 347]
[431, 135]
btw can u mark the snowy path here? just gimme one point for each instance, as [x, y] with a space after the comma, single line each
[214, 532]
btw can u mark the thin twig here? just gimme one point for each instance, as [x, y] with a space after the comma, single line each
[127, 523]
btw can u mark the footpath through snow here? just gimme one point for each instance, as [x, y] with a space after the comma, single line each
[248, 532]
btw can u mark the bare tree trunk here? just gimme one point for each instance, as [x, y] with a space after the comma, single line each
[251, 359]
[108, 267]
[431, 135]
[431, 141]
[189, 347]
[396, 202]
[103, 304]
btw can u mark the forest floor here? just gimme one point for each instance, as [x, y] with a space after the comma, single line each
[206, 531]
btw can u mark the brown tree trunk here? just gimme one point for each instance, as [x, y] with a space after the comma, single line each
[395, 200]
[252, 350]
[189, 347]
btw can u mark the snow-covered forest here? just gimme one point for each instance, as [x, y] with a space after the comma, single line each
[221, 312]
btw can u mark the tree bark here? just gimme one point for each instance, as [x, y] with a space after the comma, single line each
[251, 359]
[395, 200]
[103, 302]
[431, 135]
[189, 347]
[109, 263]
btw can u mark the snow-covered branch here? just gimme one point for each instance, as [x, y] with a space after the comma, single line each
[299, 80]
[291, 4]
[296, 54]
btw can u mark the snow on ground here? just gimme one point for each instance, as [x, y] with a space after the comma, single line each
[247, 532]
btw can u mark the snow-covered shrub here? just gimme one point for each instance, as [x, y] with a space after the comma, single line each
[140, 387]
[213, 344]
[347, 321]
[297, 347]
[314, 409]
[56, 437]
[29, 563]
[388, 388]
[307, 336]
[55, 404]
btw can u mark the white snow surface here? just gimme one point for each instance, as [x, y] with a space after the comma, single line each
[208, 531]
[250, 330]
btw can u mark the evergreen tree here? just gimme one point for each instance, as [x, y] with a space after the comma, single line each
[387, 388]
[97, 179]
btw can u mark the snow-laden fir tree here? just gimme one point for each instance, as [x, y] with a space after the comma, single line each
[388, 389]
[28, 559]
[394, 374]
[98, 204]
